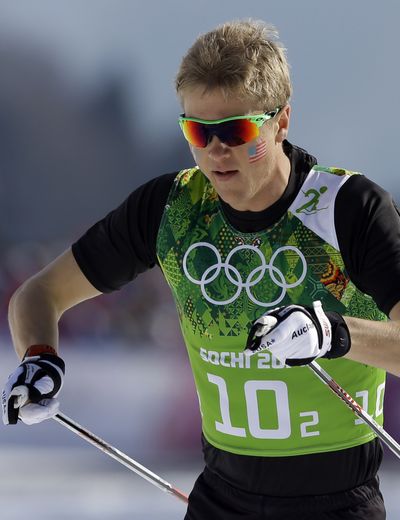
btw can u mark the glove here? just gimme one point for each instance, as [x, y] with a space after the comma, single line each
[30, 391]
[297, 335]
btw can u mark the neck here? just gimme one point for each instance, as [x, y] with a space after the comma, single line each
[278, 181]
[275, 184]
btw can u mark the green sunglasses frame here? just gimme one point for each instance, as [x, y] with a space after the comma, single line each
[258, 119]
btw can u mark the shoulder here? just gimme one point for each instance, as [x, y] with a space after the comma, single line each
[190, 179]
[360, 191]
[149, 199]
[334, 178]
[323, 183]
[192, 186]
[161, 184]
[344, 189]
[368, 230]
[315, 202]
[364, 205]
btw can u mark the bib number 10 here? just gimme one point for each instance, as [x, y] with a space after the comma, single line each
[251, 389]
[283, 429]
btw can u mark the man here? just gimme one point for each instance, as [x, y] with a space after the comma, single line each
[273, 261]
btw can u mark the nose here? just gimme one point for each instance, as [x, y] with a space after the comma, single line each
[217, 149]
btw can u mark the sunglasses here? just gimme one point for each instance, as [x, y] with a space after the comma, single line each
[232, 131]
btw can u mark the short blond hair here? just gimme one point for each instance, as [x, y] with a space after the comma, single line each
[243, 58]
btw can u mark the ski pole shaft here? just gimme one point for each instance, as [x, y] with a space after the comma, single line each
[119, 456]
[357, 409]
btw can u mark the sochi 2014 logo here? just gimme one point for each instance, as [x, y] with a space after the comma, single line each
[233, 275]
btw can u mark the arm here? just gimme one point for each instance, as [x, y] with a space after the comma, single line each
[36, 306]
[368, 228]
[376, 343]
[31, 391]
[110, 254]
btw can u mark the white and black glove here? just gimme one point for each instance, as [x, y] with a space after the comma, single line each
[30, 391]
[297, 335]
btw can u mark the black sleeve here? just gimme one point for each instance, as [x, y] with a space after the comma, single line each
[123, 244]
[368, 230]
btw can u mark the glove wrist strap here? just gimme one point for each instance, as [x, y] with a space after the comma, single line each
[341, 341]
[37, 350]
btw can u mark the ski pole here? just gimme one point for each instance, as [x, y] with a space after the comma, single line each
[118, 455]
[357, 409]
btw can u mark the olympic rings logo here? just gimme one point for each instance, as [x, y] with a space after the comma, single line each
[234, 276]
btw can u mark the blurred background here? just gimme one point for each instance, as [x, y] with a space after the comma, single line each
[87, 113]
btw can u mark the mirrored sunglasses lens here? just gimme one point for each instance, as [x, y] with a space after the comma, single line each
[195, 133]
[232, 133]
[237, 132]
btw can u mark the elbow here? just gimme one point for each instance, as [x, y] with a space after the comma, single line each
[14, 302]
[32, 297]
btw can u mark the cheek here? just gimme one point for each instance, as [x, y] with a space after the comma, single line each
[196, 154]
[257, 150]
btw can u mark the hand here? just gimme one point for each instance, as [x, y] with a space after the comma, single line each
[297, 335]
[30, 391]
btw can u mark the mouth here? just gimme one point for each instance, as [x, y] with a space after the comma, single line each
[225, 174]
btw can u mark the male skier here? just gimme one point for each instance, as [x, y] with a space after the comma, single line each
[273, 261]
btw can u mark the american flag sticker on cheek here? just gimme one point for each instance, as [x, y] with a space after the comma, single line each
[258, 151]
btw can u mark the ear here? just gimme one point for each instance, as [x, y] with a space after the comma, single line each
[283, 124]
[281, 135]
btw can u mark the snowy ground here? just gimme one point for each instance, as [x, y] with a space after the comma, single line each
[54, 484]
[66, 485]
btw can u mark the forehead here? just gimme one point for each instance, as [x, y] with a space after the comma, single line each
[214, 104]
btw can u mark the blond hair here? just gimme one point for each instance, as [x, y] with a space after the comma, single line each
[242, 58]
